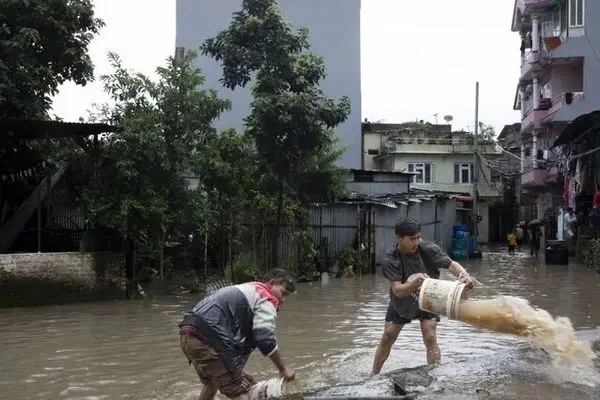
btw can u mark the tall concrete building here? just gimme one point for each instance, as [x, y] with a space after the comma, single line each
[334, 34]
[558, 81]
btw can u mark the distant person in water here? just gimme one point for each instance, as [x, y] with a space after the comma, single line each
[520, 234]
[219, 334]
[406, 266]
[536, 239]
[511, 240]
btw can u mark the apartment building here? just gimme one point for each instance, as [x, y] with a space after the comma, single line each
[439, 159]
[334, 34]
[558, 81]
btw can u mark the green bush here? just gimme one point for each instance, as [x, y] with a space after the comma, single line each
[348, 257]
[591, 254]
[243, 269]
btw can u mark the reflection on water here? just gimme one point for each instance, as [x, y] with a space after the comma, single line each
[130, 350]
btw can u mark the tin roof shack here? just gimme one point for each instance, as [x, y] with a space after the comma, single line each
[365, 223]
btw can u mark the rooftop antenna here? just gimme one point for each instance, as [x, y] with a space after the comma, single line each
[436, 120]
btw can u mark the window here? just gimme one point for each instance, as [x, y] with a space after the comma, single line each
[463, 173]
[373, 152]
[423, 172]
[576, 11]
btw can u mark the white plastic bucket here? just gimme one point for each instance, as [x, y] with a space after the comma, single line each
[441, 297]
[269, 389]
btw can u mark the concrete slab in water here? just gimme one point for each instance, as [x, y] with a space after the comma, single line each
[521, 374]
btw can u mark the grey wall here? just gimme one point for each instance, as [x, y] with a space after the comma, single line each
[335, 34]
[587, 46]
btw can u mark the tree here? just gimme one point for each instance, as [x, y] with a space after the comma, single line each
[139, 186]
[292, 121]
[486, 132]
[43, 44]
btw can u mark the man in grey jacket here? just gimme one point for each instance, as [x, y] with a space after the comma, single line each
[406, 266]
[219, 334]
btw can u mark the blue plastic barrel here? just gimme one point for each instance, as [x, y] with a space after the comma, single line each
[459, 255]
[460, 244]
[472, 243]
[459, 228]
[461, 235]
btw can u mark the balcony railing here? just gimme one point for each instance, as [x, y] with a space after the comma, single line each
[560, 100]
[535, 178]
[439, 141]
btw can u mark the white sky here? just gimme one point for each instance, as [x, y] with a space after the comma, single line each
[418, 58]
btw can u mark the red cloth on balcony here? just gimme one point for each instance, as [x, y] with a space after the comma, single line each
[597, 199]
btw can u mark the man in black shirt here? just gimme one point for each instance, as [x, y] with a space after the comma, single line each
[407, 266]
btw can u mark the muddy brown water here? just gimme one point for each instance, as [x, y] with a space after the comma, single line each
[129, 349]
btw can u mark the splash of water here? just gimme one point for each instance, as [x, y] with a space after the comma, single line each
[556, 336]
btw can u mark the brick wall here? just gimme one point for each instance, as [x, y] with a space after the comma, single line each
[50, 278]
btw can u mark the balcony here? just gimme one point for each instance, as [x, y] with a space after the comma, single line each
[435, 145]
[540, 178]
[559, 112]
[535, 178]
[534, 117]
[533, 61]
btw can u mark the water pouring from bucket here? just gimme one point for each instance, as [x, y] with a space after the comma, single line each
[507, 314]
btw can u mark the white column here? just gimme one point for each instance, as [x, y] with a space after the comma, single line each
[522, 97]
[535, 33]
[534, 149]
[536, 92]
[522, 158]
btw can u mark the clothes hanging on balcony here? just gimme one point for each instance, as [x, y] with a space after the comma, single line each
[566, 189]
[596, 202]
[579, 176]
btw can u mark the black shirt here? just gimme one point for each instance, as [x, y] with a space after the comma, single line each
[397, 267]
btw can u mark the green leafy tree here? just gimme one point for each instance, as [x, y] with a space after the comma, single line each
[292, 121]
[166, 133]
[486, 131]
[43, 43]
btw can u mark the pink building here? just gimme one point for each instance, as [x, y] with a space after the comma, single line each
[558, 81]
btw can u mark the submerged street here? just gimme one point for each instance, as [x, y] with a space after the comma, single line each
[130, 349]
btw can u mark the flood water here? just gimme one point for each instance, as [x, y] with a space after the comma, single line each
[130, 349]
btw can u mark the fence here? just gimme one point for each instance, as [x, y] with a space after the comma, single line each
[367, 225]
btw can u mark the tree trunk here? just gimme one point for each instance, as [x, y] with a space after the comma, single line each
[206, 248]
[277, 227]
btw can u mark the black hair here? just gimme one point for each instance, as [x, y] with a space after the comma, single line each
[407, 227]
[280, 275]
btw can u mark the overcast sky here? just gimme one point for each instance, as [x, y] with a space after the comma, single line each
[418, 58]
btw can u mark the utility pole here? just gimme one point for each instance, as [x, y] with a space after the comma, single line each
[475, 176]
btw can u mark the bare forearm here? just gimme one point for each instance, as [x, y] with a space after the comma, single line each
[457, 270]
[402, 289]
[277, 360]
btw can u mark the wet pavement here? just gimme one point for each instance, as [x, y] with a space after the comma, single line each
[130, 349]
